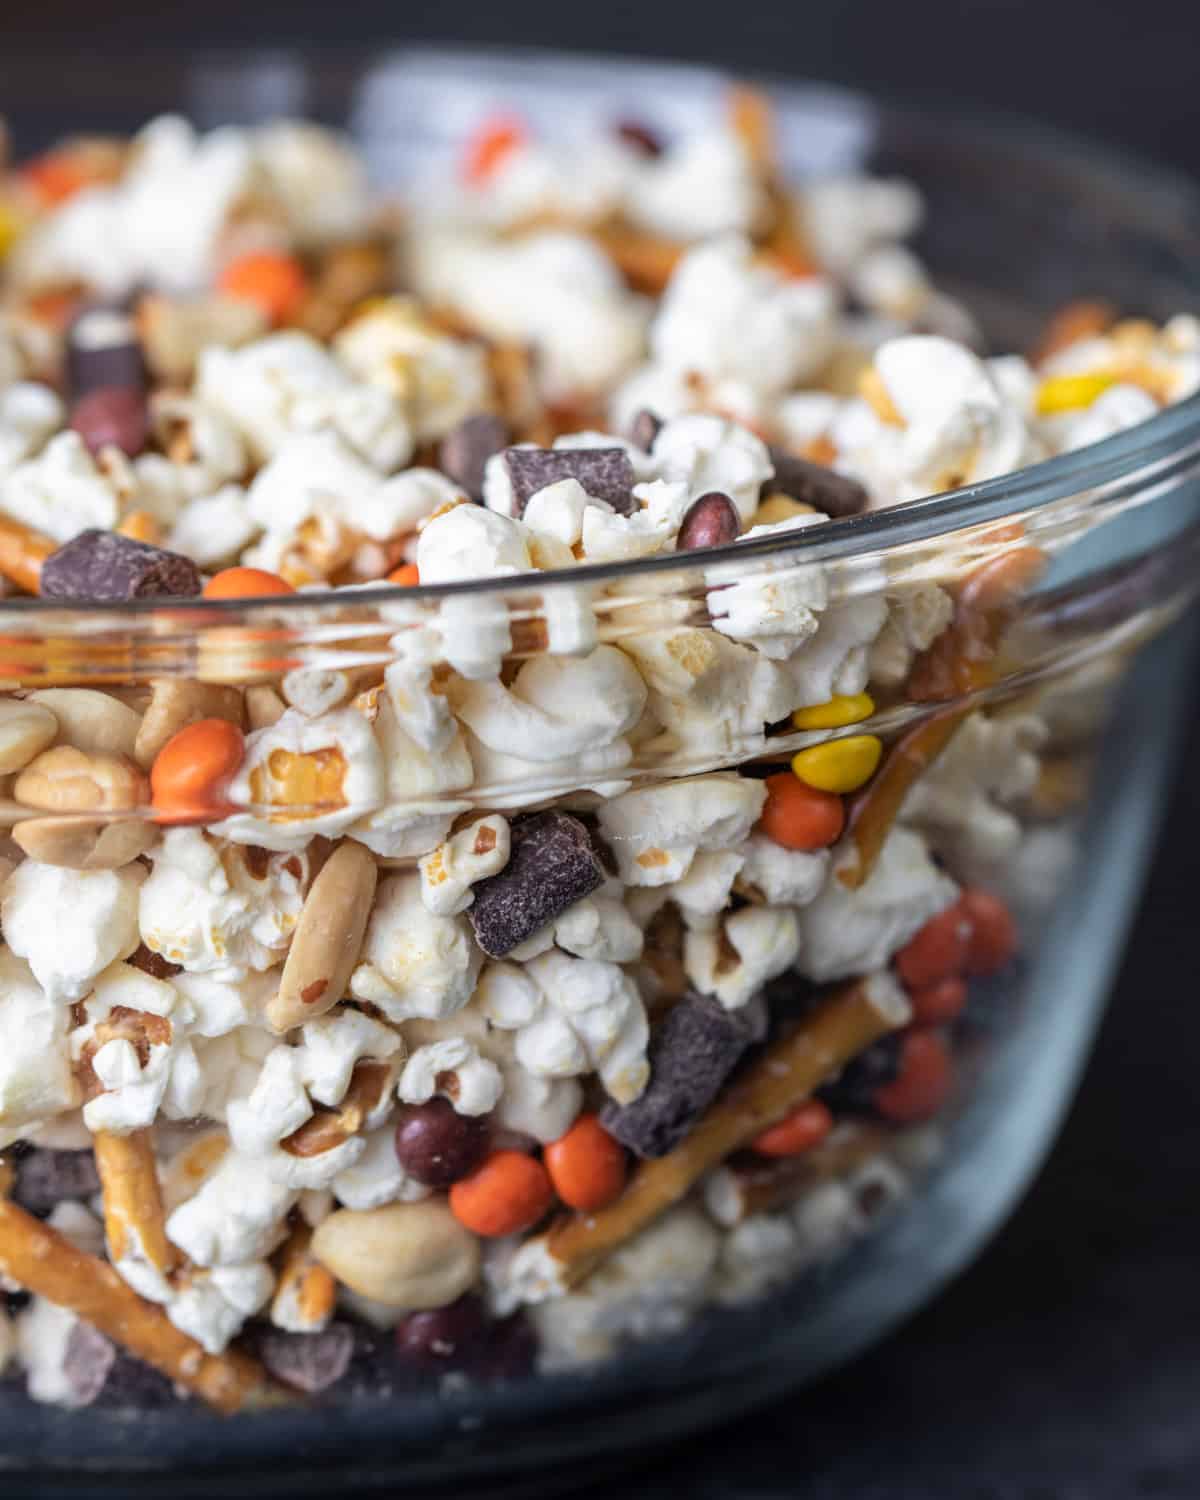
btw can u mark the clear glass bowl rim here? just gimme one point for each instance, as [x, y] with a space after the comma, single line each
[1169, 437]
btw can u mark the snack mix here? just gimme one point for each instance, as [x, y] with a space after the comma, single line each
[400, 986]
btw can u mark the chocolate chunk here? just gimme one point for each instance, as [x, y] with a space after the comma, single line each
[103, 351]
[464, 451]
[691, 1055]
[711, 521]
[106, 565]
[639, 137]
[45, 1178]
[87, 1359]
[643, 430]
[308, 1362]
[853, 1090]
[133, 1384]
[605, 473]
[115, 417]
[813, 484]
[552, 865]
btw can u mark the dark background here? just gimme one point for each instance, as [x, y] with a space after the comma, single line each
[1066, 1364]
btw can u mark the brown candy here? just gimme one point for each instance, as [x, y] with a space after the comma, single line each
[711, 521]
[437, 1145]
[813, 484]
[644, 428]
[464, 451]
[103, 565]
[114, 416]
[103, 352]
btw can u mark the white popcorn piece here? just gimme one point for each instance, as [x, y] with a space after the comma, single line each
[214, 1004]
[103, 907]
[766, 940]
[301, 777]
[727, 316]
[599, 927]
[845, 217]
[609, 537]
[30, 413]
[36, 1077]
[213, 1305]
[708, 453]
[62, 491]
[237, 1214]
[779, 876]
[414, 964]
[703, 185]
[332, 1046]
[220, 909]
[287, 385]
[1117, 408]
[845, 931]
[472, 854]
[377, 1177]
[655, 832]
[454, 1070]
[277, 1105]
[771, 605]
[213, 529]
[318, 179]
[571, 181]
[836, 658]
[917, 615]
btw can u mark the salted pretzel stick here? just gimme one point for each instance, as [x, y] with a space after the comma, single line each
[784, 1075]
[646, 260]
[752, 120]
[305, 1292]
[22, 553]
[43, 1261]
[134, 1222]
[755, 1186]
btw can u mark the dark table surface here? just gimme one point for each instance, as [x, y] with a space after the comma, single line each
[1065, 1365]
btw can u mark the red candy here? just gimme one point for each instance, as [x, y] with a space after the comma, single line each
[938, 950]
[920, 1088]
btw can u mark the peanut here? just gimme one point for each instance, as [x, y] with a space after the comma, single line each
[84, 843]
[410, 1255]
[264, 706]
[68, 780]
[91, 721]
[174, 704]
[327, 939]
[25, 730]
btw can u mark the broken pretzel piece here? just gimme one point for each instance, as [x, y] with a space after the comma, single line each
[305, 1292]
[22, 553]
[134, 1221]
[750, 1186]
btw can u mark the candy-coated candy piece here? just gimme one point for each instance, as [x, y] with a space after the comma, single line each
[245, 583]
[939, 1003]
[189, 773]
[491, 143]
[406, 576]
[937, 951]
[273, 280]
[437, 1145]
[442, 1338]
[840, 710]
[799, 816]
[813, 484]
[993, 932]
[840, 765]
[113, 417]
[586, 1166]
[55, 177]
[806, 1127]
[711, 521]
[920, 1088]
[1062, 393]
[509, 1192]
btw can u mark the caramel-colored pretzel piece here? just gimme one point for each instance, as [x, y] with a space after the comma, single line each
[43, 1261]
[783, 1076]
[22, 553]
[134, 1222]
[758, 1185]
[647, 261]
[305, 1292]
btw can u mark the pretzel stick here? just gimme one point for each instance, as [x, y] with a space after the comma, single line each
[737, 1190]
[134, 1222]
[784, 1075]
[22, 553]
[43, 1261]
[305, 1292]
[646, 261]
[752, 120]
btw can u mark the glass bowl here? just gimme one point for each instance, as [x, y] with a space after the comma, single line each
[1061, 574]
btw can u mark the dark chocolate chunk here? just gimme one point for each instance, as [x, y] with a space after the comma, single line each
[464, 451]
[552, 865]
[87, 1359]
[103, 351]
[106, 565]
[114, 417]
[691, 1055]
[643, 430]
[640, 137]
[133, 1384]
[45, 1178]
[813, 484]
[605, 473]
[308, 1362]
[711, 521]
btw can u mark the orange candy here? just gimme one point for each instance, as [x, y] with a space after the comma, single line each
[245, 583]
[799, 816]
[806, 1127]
[272, 279]
[507, 1193]
[586, 1166]
[993, 931]
[406, 576]
[189, 773]
[938, 1003]
[920, 1088]
[55, 177]
[938, 950]
[490, 144]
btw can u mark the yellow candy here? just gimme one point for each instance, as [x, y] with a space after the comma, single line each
[10, 228]
[1071, 392]
[839, 766]
[842, 709]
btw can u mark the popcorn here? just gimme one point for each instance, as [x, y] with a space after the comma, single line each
[708, 453]
[846, 217]
[704, 185]
[61, 491]
[765, 941]
[214, 528]
[454, 1070]
[656, 832]
[471, 542]
[916, 616]
[1119, 407]
[835, 658]
[277, 1105]
[212, 1306]
[413, 962]
[377, 1177]
[845, 931]
[599, 927]
[236, 1215]
[29, 415]
[779, 876]
[772, 605]
[36, 1077]
[103, 906]
[317, 178]
[449, 871]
